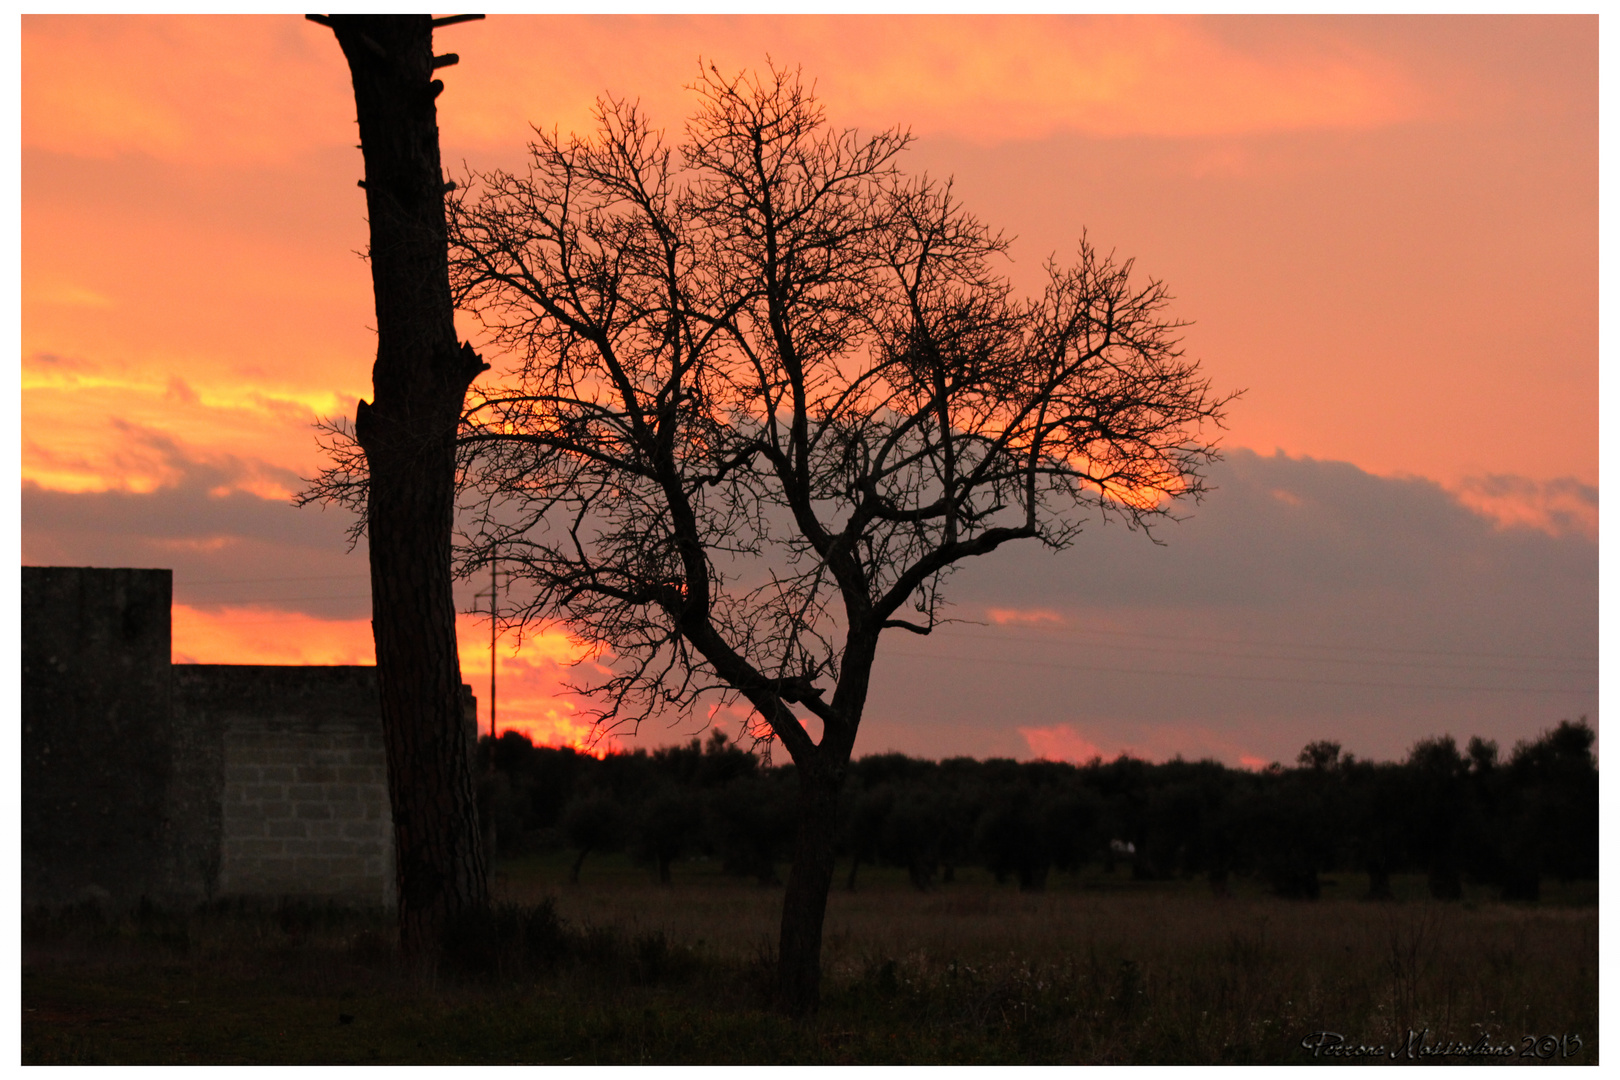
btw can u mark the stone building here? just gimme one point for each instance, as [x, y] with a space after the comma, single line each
[184, 783]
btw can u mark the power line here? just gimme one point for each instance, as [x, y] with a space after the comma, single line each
[1071, 632]
[269, 599]
[1325, 648]
[263, 580]
[317, 618]
[1244, 678]
[1292, 659]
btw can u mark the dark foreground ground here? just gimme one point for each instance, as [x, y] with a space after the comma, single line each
[616, 969]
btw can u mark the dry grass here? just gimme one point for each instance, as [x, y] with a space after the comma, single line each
[1094, 970]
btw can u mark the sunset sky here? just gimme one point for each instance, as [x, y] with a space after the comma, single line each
[1383, 230]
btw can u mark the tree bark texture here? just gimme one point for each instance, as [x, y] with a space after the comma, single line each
[804, 906]
[821, 767]
[408, 431]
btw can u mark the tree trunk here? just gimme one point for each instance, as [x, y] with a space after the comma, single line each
[408, 434]
[804, 907]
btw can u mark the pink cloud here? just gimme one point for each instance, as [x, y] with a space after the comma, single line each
[1029, 617]
[1059, 743]
[1558, 507]
[1062, 742]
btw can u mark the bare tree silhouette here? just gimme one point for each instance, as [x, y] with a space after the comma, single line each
[767, 392]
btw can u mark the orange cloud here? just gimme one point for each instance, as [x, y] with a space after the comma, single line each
[139, 438]
[202, 90]
[985, 78]
[239, 90]
[993, 78]
[189, 209]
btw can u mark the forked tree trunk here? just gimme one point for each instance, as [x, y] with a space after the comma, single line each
[408, 434]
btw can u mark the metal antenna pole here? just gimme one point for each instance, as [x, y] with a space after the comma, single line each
[493, 609]
[494, 613]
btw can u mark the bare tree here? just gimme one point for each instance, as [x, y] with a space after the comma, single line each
[400, 472]
[766, 392]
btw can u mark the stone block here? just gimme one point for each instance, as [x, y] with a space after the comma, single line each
[238, 811]
[345, 865]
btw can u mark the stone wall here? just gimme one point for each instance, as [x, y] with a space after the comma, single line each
[183, 783]
[302, 797]
[96, 733]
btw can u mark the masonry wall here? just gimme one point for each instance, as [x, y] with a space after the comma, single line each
[96, 733]
[303, 783]
[184, 783]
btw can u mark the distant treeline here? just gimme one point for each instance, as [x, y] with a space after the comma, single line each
[1451, 814]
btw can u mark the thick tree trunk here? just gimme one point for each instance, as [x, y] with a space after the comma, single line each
[821, 773]
[408, 434]
[804, 907]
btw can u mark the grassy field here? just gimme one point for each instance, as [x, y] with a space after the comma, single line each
[617, 969]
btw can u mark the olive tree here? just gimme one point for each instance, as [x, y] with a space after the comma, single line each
[763, 392]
